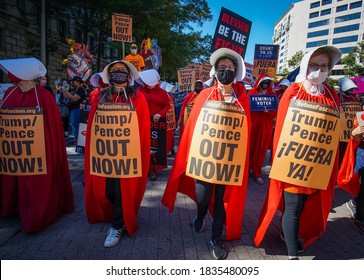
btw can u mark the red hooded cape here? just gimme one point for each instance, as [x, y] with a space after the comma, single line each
[318, 205]
[98, 207]
[234, 197]
[261, 133]
[348, 180]
[40, 200]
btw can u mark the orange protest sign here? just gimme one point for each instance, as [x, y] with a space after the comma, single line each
[115, 142]
[122, 28]
[22, 150]
[347, 115]
[171, 117]
[219, 147]
[187, 112]
[307, 146]
[186, 77]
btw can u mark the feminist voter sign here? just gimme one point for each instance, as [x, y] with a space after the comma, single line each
[307, 147]
[219, 147]
[115, 142]
[22, 149]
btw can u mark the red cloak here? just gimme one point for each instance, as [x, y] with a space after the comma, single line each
[261, 133]
[318, 205]
[40, 200]
[98, 207]
[234, 197]
[347, 180]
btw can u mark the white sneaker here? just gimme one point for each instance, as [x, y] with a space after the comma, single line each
[260, 181]
[113, 237]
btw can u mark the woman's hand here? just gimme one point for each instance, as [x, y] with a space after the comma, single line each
[156, 117]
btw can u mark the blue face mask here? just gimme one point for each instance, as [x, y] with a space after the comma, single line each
[119, 77]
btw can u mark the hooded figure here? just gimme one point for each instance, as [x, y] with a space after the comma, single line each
[304, 202]
[114, 194]
[262, 129]
[224, 200]
[159, 104]
[41, 192]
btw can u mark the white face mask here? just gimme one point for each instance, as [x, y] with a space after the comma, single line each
[133, 51]
[317, 77]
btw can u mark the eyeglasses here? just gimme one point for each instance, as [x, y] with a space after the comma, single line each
[224, 67]
[315, 67]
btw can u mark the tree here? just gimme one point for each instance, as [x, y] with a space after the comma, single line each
[295, 60]
[354, 61]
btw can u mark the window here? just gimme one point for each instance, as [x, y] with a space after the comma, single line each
[346, 28]
[346, 50]
[355, 5]
[316, 43]
[318, 23]
[325, 12]
[338, 72]
[341, 8]
[2, 40]
[318, 33]
[347, 39]
[326, 2]
[315, 5]
[313, 15]
[347, 17]
[62, 28]
[282, 47]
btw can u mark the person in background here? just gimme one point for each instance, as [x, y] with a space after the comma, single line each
[134, 58]
[43, 83]
[62, 105]
[109, 198]
[305, 206]
[225, 201]
[158, 103]
[76, 97]
[281, 88]
[40, 196]
[187, 104]
[262, 129]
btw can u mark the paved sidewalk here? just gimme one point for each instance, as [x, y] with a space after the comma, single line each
[163, 235]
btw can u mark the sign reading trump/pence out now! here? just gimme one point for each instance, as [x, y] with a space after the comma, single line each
[115, 142]
[347, 114]
[306, 150]
[219, 147]
[22, 149]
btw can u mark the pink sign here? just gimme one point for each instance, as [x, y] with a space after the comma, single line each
[359, 81]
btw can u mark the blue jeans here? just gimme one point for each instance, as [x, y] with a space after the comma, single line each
[75, 121]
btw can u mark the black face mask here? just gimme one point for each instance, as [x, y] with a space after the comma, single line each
[119, 77]
[226, 77]
[264, 85]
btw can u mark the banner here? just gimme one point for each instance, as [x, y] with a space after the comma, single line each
[219, 147]
[186, 77]
[205, 71]
[263, 102]
[265, 60]
[307, 146]
[232, 32]
[171, 117]
[359, 82]
[122, 27]
[249, 79]
[22, 149]
[347, 115]
[81, 139]
[115, 142]
[159, 142]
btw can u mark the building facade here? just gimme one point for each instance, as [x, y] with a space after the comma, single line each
[311, 23]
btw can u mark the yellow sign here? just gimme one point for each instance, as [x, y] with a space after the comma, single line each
[264, 66]
[22, 149]
[219, 147]
[347, 115]
[307, 146]
[122, 28]
[187, 112]
[171, 117]
[115, 142]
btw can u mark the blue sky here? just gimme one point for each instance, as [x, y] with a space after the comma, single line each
[262, 13]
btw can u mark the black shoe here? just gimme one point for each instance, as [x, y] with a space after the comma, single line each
[217, 249]
[198, 224]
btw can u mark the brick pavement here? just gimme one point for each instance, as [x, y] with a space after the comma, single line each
[167, 236]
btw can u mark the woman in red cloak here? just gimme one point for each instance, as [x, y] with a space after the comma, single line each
[226, 202]
[117, 200]
[39, 199]
[305, 210]
[262, 129]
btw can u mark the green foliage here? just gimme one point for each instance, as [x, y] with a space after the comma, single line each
[295, 60]
[354, 61]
